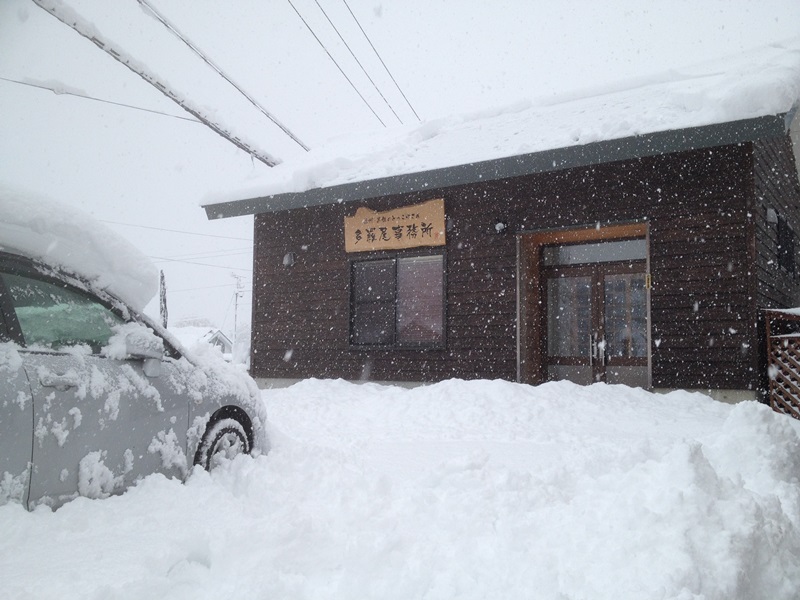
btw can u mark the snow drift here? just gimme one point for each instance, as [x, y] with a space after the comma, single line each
[482, 489]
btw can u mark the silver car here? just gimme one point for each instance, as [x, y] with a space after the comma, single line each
[93, 396]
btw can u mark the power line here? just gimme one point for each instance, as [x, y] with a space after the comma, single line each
[189, 262]
[336, 63]
[68, 18]
[207, 287]
[379, 58]
[163, 20]
[214, 254]
[224, 237]
[346, 45]
[62, 92]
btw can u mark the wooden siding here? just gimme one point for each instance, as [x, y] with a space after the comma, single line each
[697, 206]
[777, 188]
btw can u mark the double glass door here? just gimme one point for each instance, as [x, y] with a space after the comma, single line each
[596, 313]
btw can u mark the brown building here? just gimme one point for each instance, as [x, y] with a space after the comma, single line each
[644, 260]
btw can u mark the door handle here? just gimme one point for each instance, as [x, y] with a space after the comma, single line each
[597, 350]
[60, 382]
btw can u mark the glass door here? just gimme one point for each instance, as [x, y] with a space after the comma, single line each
[624, 329]
[596, 313]
[570, 325]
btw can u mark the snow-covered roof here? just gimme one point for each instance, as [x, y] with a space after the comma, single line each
[741, 98]
[68, 239]
[190, 335]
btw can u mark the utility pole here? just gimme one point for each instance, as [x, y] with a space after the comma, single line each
[68, 17]
[239, 291]
[162, 297]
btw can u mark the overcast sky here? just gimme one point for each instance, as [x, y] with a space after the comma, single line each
[146, 172]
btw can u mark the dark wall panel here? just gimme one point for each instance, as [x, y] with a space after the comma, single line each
[776, 188]
[697, 204]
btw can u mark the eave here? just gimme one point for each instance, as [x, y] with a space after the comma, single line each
[607, 151]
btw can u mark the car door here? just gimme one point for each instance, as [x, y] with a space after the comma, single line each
[16, 425]
[99, 422]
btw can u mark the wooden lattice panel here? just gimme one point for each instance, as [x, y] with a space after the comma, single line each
[784, 374]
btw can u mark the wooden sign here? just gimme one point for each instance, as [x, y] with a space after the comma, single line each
[408, 227]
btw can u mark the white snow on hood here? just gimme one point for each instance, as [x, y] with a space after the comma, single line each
[69, 239]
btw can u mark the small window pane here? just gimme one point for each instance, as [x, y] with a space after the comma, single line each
[373, 323]
[597, 252]
[625, 315]
[373, 281]
[568, 316]
[420, 300]
[55, 317]
[373, 296]
[785, 246]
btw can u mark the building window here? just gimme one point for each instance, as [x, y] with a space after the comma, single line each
[397, 301]
[785, 246]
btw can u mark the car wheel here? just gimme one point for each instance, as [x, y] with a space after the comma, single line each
[224, 440]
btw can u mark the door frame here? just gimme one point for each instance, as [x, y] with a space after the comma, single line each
[531, 312]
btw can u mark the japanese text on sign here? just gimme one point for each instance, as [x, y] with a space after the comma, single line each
[408, 227]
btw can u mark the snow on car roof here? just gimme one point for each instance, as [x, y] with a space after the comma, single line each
[68, 239]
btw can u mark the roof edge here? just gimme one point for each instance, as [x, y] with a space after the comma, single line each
[606, 151]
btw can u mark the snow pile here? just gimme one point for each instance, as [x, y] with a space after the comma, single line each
[10, 360]
[68, 239]
[456, 490]
[760, 82]
[95, 479]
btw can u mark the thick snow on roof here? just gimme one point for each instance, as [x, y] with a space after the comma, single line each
[68, 239]
[763, 81]
[190, 335]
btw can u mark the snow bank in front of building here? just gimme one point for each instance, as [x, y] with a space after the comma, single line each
[68, 239]
[465, 490]
[759, 82]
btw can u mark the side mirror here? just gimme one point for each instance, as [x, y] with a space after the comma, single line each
[152, 367]
[143, 344]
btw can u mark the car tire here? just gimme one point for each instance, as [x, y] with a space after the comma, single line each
[223, 440]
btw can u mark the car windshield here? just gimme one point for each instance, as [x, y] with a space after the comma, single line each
[55, 316]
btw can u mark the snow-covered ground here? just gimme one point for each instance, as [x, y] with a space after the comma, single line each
[455, 490]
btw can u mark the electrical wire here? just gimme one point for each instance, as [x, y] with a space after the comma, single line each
[379, 58]
[207, 287]
[346, 45]
[59, 92]
[163, 20]
[190, 262]
[214, 254]
[335, 63]
[224, 237]
[84, 29]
